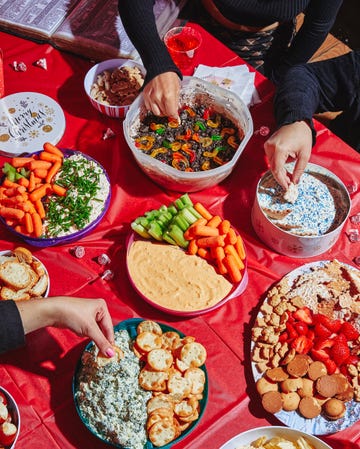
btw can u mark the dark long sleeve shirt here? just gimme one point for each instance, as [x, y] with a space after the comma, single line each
[329, 85]
[11, 328]
[139, 22]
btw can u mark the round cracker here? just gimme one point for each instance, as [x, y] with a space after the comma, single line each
[149, 326]
[160, 359]
[193, 354]
[162, 432]
[146, 341]
[197, 378]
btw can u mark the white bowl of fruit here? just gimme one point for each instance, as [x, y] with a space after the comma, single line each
[9, 420]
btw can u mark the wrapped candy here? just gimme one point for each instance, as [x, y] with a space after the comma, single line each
[107, 275]
[42, 63]
[19, 66]
[354, 235]
[108, 134]
[355, 219]
[78, 252]
[103, 259]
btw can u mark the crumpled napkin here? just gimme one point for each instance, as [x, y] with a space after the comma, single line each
[237, 79]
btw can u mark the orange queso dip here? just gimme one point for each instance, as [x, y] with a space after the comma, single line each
[169, 277]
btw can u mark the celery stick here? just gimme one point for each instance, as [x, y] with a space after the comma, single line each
[139, 229]
[168, 239]
[187, 215]
[156, 230]
[172, 209]
[180, 221]
[185, 199]
[176, 233]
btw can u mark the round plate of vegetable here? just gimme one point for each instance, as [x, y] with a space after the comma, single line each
[185, 261]
[54, 196]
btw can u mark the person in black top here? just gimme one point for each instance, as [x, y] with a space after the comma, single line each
[261, 31]
[84, 316]
[306, 89]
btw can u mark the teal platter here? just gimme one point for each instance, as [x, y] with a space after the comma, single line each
[130, 326]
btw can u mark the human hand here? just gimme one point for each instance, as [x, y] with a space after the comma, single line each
[84, 316]
[289, 141]
[161, 95]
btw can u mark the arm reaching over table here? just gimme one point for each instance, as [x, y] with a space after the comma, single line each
[329, 85]
[162, 81]
[84, 316]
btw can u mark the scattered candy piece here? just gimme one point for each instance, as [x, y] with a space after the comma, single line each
[41, 63]
[354, 235]
[19, 66]
[355, 219]
[78, 252]
[264, 131]
[108, 134]
[357, 260]
[351, 188]
[103, 259]
[107, 275]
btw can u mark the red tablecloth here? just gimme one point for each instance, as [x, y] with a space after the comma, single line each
[39, 376]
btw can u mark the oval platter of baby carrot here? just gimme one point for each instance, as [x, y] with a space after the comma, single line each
[185, 260]
[44, 199]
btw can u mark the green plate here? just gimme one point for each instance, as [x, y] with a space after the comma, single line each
[130, 326]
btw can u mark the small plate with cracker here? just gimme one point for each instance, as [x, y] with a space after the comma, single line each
[157, 379]
[301, 376]
[22, 275]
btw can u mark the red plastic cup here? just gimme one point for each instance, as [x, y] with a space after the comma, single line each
[182, 44]
[2, 86]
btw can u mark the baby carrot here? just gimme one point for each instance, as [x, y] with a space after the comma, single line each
[214, 221]
[39, 164]
[192, 248]
[230, 249]
[208, 242]
[50, 148]
[239, 245]
[59, 190]
[52, 171]
[224, 226]
[37, 223]
[231, 237]
[19, 162]
[23, 182]
[204, 231]
[188, 234]
[202, 211]
[233, 270]
[28, 223]
[219, 255]
[50, 157]
[13, 191]
[38, 193]
[203, 253]
[41, 173]
[31, 186]
[11, 212]
[39, 208]
[8, 183]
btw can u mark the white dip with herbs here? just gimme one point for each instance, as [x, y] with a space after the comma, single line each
[87, 189]
[110, 398]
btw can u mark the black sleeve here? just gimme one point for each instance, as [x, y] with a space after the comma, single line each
[297, 97]
[139, 22]
[319, 18]
[11, 327]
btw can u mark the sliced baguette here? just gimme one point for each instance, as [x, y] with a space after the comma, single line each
[7, 293]
[16, 275]
[40, 287]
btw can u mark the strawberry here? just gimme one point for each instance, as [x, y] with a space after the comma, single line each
[301, 328]
[349, 331]
[332, 325]
[324, 343]
[301, 344]
[339, 353]
[284, 336]
[322, 331]
[331, 366]
[351, 360]
[319, 354]
[303, 314]
[291, 330]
